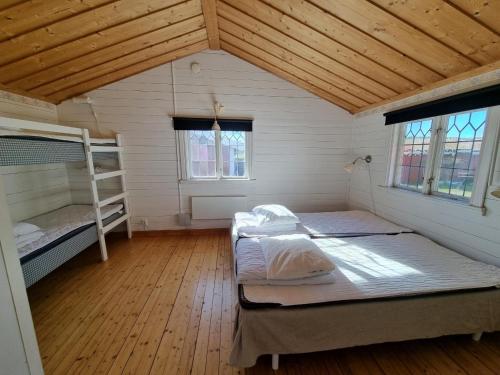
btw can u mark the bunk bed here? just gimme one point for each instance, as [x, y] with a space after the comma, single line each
[68, 230]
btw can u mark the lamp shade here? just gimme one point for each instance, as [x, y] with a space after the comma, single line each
[349, 167]
[216, 125]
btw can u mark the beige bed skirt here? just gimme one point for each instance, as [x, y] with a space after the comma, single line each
[326, 327]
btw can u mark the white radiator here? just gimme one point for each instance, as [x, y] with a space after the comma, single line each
[217, 207]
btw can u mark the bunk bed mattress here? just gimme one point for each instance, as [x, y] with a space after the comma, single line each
[57, 224]
[380, 267]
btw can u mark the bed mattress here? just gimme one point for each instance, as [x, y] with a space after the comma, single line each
[59, 223]
[251, 267]
[329, 224]
[346, 223]
[380, 267]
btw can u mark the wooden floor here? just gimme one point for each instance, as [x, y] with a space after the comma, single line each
[165, 305]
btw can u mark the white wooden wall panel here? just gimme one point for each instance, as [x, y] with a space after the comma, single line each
[455, 225]
[300, 142]
[33, 190]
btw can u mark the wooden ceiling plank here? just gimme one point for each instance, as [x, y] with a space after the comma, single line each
[339, 86]
[485, 12]
[6, 4]
[291, 64]
[78, 26]
[110, 53]
[448, 25]
[236, 51]
[209, 8]
[357, 40]
[128, 71]
[25, 93]
[99, 40]
[298, 72]
[297, 30]
[447, 81]
[403, 37]
[357, 80]
[32, 15]
[123, 61]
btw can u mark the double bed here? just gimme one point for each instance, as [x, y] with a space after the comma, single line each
[390, 285]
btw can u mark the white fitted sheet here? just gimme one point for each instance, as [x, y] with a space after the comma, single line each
[56, 224]
[383, 266]
[346, 223]
[251, 267]
[323, 224]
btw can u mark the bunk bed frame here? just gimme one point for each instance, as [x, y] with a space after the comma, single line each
[31, 142]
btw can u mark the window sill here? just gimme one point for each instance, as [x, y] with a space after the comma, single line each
[215, 180]
[435, 198]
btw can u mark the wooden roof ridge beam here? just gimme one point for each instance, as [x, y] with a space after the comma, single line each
[209, 8]
[127, 71]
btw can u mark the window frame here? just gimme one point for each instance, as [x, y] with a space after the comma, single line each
[483, 176]
[184, 157]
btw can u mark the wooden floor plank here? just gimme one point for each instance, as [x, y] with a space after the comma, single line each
[166, 304]
[169, 350]
[138, 352]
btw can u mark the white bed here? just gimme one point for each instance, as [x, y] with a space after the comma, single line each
[60, 222]
[324, 224]
[375, 267]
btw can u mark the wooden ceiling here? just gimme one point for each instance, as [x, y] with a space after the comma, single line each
[357, 54]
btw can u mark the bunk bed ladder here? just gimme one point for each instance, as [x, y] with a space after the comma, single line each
[98, 204]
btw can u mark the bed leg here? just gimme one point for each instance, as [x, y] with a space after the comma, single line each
[477, 336]
[275, 361]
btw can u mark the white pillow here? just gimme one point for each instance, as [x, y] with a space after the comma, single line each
[274, 214]
[26, 239]
[294, 256]
[21, 229]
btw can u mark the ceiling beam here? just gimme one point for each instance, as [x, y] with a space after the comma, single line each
[457, 78]
[356, 79]
[78, 26]
[209, 8]
[128, 71]
[98, 40]
[110, 53]
[122, 62]
[241, 51]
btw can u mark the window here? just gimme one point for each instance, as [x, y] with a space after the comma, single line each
[448, 156]
[217, 154]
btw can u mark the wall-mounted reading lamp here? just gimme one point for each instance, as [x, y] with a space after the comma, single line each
[349, 167]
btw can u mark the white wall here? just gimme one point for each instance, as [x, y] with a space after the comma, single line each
[35, 189]
[455, 225]
[301, 142]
